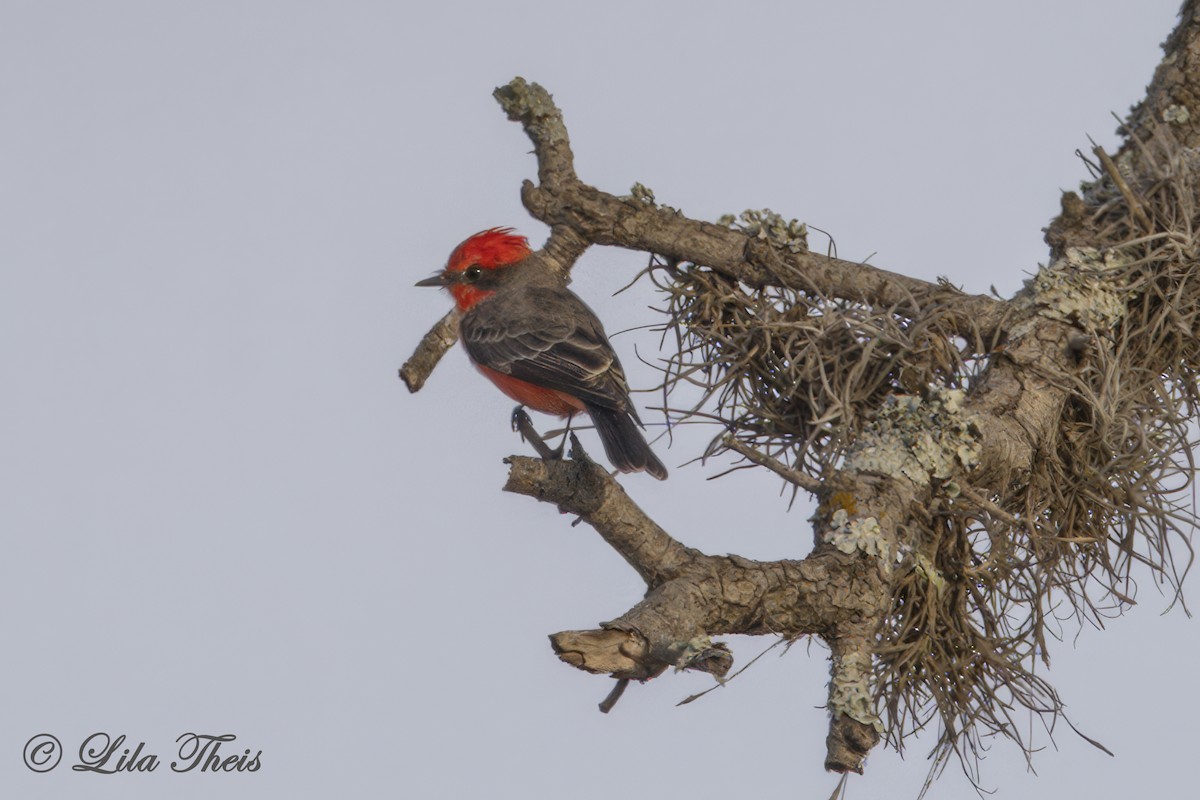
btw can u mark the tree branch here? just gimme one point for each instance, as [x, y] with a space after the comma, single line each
[601, 218]
[892, 480]
[801, 479]
[433, 345]
[578, 486]
[838, 592]
[923, 598]
[534, 108]
[1173, 95]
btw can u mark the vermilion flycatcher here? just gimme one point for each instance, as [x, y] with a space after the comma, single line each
[540, 344]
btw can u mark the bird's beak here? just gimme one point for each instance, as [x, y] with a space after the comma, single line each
[441, 279]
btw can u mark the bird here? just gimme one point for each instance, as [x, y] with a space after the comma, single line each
[540, 344]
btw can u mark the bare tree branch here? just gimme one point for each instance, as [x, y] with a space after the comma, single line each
[796, 477]
[581, 487]
[835, 593]
[601, 218]
[440, 338]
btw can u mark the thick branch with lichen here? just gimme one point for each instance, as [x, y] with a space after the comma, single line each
[960, 483]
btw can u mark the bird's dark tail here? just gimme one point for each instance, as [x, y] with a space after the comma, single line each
[624, 444]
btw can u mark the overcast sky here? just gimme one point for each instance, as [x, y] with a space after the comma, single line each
[223, 513]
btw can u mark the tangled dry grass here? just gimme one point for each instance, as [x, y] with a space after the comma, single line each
[790, 372]
[995, 570]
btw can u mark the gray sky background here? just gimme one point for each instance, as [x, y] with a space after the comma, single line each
[223, 513]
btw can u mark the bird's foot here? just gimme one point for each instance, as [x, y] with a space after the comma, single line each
[523, 425]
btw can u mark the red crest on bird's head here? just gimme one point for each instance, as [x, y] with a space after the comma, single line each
[473, 272]
[486, 250]
[495, 247]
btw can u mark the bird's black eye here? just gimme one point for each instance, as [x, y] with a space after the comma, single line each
[473, 272]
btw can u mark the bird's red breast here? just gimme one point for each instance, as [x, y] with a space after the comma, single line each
[539, 398]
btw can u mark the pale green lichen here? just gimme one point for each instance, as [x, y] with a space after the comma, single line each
[529, 101]
[862, 534]
[850, 689]
[765, 224]
[640, 194]
[926, 569]
[691, 651]
[1077, 289]
[921, 439]
[1178, 114]
[643, 194]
